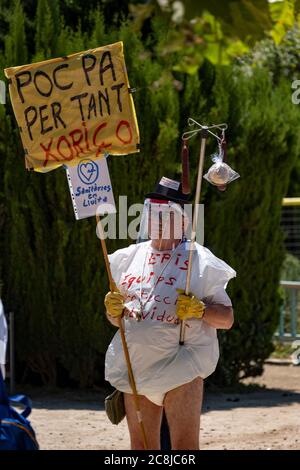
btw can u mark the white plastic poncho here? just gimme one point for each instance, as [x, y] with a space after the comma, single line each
[148, 280]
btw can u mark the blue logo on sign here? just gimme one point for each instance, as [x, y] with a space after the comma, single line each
[88, 171]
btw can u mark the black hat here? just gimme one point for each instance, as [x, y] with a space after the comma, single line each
[169, 190]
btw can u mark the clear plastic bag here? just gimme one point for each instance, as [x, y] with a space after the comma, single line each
[220, 174]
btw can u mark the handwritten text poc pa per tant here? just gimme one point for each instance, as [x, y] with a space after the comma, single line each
[73, 107]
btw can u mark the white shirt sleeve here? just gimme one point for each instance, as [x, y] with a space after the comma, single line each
[215, 275]
[220, 296]
[120, 260]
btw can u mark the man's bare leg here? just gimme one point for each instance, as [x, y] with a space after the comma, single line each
[151, 415]
[183, 408]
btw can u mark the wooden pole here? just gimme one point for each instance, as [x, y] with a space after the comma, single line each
[113, 288]
[204, 134]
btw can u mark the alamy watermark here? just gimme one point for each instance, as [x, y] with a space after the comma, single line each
[2, 92]
[296, 94]
[134, 222]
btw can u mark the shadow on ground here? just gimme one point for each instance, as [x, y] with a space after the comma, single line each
[279, 386]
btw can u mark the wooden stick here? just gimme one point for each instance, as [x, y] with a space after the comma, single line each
[132, 384]
[113, 288]
[194, 227]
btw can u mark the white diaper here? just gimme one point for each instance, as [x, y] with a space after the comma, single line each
[157, 398]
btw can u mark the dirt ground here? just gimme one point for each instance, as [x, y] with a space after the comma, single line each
[268, 418]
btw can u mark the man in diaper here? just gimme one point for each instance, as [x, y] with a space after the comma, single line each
[151, 278]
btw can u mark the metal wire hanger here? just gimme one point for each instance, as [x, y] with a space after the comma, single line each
[191, 122]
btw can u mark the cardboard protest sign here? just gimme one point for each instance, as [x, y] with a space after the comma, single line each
[90, 188]
[74, 107]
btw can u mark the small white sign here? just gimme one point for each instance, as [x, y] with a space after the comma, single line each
[90, 188]
[168, 183]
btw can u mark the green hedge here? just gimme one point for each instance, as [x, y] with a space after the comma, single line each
[52, 269]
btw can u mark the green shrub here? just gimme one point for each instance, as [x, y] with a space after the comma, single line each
[52, 267]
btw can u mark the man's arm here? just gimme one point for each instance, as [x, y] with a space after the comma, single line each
[112, 320]
[114, 303]
[218, 316]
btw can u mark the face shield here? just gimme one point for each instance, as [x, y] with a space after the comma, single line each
[162, 220]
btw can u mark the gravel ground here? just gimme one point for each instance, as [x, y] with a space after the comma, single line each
[268, 418]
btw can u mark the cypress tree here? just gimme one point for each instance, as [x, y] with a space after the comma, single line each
[47, 29]
[243, 225]
[52, 268]
[15, 41]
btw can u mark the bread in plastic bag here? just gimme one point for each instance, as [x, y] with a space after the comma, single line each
[220, 173]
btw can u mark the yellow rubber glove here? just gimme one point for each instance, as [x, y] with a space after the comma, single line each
[188, 306]
[114, 303]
